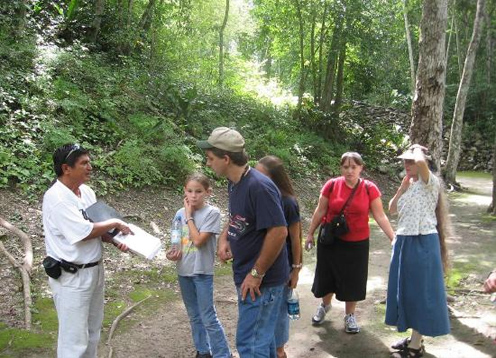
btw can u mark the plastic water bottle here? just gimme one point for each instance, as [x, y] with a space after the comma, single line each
[293, 305]
[176, 233]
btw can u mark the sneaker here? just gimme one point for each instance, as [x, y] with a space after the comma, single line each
[350, 324]
[319, 316]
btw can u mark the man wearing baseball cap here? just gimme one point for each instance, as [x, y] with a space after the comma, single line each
[254, 239]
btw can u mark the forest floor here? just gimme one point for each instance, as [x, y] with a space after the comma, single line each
[159, 328]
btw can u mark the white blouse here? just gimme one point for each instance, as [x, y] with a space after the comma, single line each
[417, 207]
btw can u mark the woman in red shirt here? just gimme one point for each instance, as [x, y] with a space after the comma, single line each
[342, 267]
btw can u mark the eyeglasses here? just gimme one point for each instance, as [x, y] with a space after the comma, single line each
[74, 148]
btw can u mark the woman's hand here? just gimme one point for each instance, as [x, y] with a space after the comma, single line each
[405, 184]
[174, 255]
[309, 242]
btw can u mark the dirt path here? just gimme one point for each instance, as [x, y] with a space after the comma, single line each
[166, 333]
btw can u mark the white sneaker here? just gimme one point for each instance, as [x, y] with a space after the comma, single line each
[350, 324]
[320, 314]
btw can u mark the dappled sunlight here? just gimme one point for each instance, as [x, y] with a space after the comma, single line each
[482, 200]
[376, 283]
[306, 276]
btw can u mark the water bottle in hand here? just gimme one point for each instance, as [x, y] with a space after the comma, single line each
[176, 233]
[293, 305]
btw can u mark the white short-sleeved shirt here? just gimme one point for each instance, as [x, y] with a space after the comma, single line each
[417, 207]
[65, 227]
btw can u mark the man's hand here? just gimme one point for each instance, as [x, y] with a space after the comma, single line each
[223, 247]
[490, 284]
[250, 285]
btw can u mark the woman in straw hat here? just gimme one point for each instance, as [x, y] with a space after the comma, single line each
[416, 295]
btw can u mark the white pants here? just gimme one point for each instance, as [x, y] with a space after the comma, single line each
[79, 302]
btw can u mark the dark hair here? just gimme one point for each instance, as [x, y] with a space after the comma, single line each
[238, 158]
[67, 154]
[277, 172]
[200, 178]
[357, 158]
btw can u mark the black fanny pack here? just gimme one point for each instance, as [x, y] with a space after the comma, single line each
[53, 267]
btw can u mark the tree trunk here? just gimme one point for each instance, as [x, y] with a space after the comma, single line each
[327, 93]
[99, 7]
[492, 207]
[318, 92]
[301, 86]
[221, 45]
[340, 79]
[312, 53]
[129, 13]
[458, 47]
[147, 17]
[21, 18]
[427, 108]
[410, 48]
[461, 98]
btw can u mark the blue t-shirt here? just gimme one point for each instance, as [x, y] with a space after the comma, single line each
[254, 206]
[292, 215]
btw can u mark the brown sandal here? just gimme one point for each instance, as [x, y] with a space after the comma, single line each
[408, 353]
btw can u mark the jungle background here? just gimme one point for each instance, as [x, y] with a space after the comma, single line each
[138, 82]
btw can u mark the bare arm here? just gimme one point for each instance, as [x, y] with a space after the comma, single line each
[272, 246]
[393, 203]
[223, 247]
[381, 218]
[101, 228]
[295, 234]
[490, 284]
[317, 216]
[198, 238]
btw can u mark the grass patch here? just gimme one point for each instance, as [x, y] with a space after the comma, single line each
[458, 272]
[16, 340]
[471, 174]
[223, 269]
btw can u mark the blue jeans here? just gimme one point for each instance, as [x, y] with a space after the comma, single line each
[282, 324]
[257, 322]
[207, 331]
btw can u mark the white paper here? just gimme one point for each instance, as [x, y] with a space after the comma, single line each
[141, 243]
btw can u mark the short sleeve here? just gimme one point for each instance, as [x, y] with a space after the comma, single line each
[372, 189]
[70, 222]
[212, 222]
[326, 189]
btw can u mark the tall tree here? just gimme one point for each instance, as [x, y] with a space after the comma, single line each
[221, 44]
[301, 85]
[461, 98]
[409, 44]
[427, 109]
[97, 21]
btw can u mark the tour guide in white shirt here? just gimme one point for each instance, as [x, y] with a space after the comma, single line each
[77, 242]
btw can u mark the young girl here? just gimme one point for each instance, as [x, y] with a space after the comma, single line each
[195, 267]
[273, 167]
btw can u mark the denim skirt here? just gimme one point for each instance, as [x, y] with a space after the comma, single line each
[416, 296]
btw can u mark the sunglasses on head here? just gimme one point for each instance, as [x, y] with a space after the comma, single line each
[73, 149]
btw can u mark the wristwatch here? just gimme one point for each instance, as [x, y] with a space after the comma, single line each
[256, 274]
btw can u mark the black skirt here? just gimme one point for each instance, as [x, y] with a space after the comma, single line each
[342, 269]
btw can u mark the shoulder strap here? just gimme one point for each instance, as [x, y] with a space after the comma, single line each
[352, 194]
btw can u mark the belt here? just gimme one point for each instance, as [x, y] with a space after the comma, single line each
[71, 267]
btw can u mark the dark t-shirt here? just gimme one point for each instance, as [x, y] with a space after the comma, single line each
[254, 206]
[292, 215]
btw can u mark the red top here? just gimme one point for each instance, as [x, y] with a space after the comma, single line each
[357, 211]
